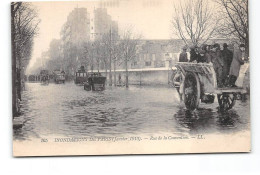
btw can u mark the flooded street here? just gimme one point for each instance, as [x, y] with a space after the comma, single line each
[67, 110]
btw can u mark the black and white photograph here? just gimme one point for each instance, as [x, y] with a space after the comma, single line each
[127, 77]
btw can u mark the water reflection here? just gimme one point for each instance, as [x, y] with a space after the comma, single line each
[68, 110]
[208, 120]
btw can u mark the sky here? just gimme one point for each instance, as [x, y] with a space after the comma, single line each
[150, 18]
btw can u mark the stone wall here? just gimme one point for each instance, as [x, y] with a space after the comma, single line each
[145, 77]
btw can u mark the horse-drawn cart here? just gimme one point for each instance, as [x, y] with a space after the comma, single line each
[44, 76]
[196, 82]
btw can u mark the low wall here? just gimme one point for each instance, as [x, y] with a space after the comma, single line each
[142, 77]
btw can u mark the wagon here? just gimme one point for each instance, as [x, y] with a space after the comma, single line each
[81, 76]
[96, 82]
[59, 76]
[44, 77]
[197, 84]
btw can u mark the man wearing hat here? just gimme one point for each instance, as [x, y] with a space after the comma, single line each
[202, 57]
[227, 58]
[218, 63]
[238, 60]
[183, 55]
[194, 54]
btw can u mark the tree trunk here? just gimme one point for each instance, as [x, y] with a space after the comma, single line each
[126, 74]
[106, 70]
[18, 73]
[247, 48]
[115, 72]
[14, 95]
[110, 70]
[98, 66]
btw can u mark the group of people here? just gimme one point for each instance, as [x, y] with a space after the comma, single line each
[225, 62]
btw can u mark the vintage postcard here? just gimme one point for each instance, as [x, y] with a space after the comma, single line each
[130, 77]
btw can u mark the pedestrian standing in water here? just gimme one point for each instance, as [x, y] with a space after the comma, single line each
[218, 63]
[227, 58]
[183, 55]
[238, 60]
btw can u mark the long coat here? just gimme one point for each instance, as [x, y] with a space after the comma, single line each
[236, 63]
[227, 58]
[208, 57]
[193, 55]
[183, 57]
[218, 64]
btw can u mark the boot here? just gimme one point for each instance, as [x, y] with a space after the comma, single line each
[235, 79]
[232, 81]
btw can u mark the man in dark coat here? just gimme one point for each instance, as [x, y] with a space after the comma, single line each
[238, 60]
[202, 57]
[183, 55]
[227, 58]
[207, 55]
[218, 63]
[194, 54]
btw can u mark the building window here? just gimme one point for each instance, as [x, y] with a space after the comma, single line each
[159, 64]
[148, 63]
[153, 57]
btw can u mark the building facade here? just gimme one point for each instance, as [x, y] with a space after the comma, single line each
[76, 30]
[157, 53]
[102, 24]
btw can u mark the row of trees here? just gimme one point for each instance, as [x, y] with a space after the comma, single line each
[24, 27]
[197, 21]
[106, 53]
[194, 21]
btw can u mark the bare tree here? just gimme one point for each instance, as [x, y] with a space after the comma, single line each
[110, 43]
[24, 25]
[14, 7]
[96, 46]
[128, 46]
[55, 61]
[193, 21]
[89, 55]
[116, 54]
[234, 20]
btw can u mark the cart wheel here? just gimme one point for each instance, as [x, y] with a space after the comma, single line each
[191, 90]
[226, 101]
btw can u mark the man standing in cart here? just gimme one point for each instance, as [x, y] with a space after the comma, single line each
[218, 63]
[194, 54]
[227, 58]
[238, 60]
[183, 55]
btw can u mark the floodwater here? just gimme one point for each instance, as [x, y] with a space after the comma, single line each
[70, 111]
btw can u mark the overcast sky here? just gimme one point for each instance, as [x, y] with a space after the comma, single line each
[151, 18]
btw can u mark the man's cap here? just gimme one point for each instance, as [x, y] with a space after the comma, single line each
[184, 48]
[202, 51]
[216, 45]
[242, 45]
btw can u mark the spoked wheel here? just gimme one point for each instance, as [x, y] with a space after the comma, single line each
[191, 90]
[226, 101]
[177, 80]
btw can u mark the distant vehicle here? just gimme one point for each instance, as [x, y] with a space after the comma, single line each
[59, 76]
[44, 77]
[81, 76]
[32, 78]
[96, 82]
